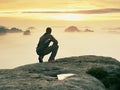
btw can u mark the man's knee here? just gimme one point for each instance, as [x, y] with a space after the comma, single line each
[55, 46]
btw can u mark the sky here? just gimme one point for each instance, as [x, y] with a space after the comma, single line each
[61, 9]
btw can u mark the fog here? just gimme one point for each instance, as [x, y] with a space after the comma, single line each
[17, 49]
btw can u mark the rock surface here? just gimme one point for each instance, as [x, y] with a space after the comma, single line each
[43, 76]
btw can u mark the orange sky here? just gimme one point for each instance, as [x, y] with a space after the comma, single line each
[61, 9]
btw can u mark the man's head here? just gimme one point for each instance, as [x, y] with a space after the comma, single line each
[48, 30]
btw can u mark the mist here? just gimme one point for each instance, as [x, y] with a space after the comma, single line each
[17, 49]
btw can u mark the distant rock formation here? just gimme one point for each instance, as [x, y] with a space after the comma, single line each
[4, 30]
[75, 29]
[88, 30]
[27, 32]
[14, 30]
[44, 76]
[72, 29]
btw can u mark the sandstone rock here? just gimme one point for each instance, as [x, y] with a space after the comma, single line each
[43, 76]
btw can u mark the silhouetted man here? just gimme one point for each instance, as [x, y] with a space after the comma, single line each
[43, 47]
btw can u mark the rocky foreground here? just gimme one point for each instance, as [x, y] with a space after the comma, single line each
[91, 73]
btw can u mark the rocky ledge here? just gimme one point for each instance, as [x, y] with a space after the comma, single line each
[89, 73]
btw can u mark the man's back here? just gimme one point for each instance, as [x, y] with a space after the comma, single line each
[44, 41]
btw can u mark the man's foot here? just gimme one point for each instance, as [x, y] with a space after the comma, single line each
[50, 61]
[40, 60]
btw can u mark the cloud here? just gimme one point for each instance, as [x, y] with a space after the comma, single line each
[100, 11]
[7, 1]
[95, 11]
[8, 12]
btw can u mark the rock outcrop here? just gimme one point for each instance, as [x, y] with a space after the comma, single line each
[4, 30]
[72, 29]
[88, 30]
[43, 76]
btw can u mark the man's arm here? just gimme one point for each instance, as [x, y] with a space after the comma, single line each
[53, 40]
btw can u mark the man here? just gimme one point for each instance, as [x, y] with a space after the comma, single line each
[43, 47]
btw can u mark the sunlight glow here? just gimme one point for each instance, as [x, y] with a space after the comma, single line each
[69, 17]
[42, 16]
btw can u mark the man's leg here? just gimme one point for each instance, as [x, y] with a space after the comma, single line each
[40, 58]
[53, 50]
[53, 53]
